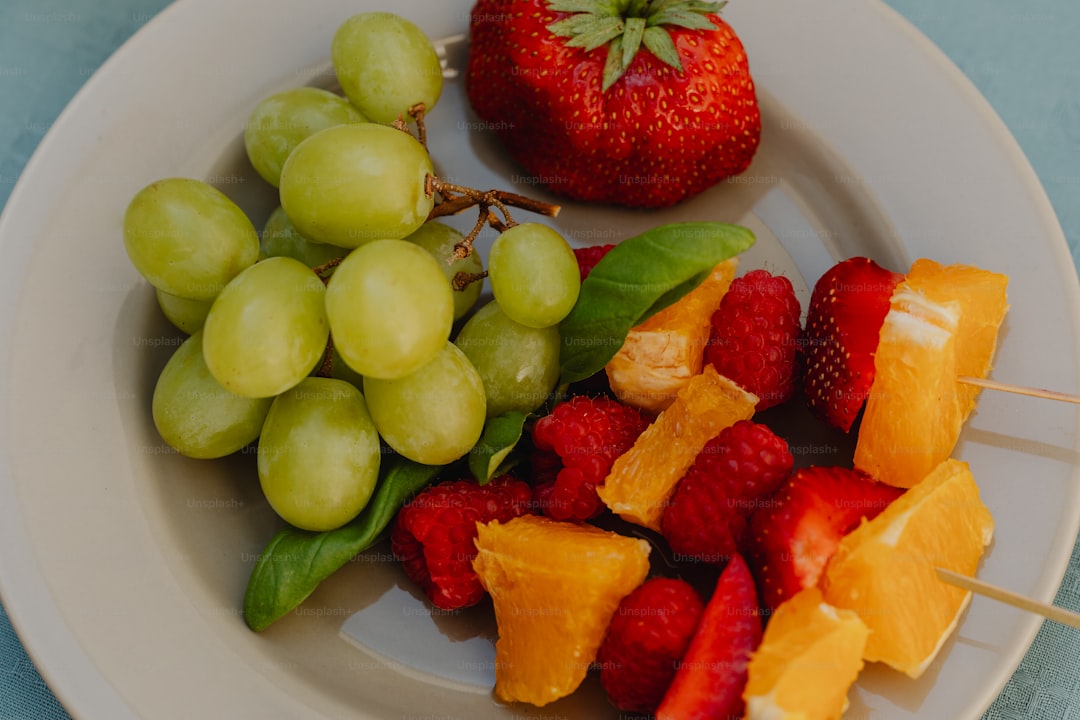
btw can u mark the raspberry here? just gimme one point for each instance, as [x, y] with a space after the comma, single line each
[433, 534]
[587, 257]
[707, 515]
[646, 639]
[754, 336]
[587, 434]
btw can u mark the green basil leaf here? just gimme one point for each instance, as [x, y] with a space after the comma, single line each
[500, 437]
[638, 278]
[296, 561]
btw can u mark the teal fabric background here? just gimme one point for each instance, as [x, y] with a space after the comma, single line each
[1024, 57]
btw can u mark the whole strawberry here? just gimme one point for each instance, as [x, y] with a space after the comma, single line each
[755, 336]
[641, 103]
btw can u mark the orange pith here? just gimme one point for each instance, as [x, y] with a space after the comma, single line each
[554, 586]
[642, 479]
[810, 655]
[884, 569]
[660, 355]
[912, 417]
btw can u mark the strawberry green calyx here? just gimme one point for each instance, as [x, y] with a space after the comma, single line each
[625, 25]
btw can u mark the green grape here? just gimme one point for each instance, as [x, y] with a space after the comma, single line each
[433, 416]
[187, 315]
[195, 415]
[385, 65]
[351, 184]
[439, 239]
[280, 238]
[282, 121]
[518, 364]
[267, 329]
[534, 274]
[186, 238]
[319, 454]
[390, 308]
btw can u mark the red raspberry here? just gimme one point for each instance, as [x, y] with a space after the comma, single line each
[587, 434]
[646, 639]
[433, 534]
[587, 257]
[707, 515]
[754, 337]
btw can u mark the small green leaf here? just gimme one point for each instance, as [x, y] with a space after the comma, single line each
[597, 33]
[595, 7]
[638, 278]
[501, 435]
[296, 561]
[613, 67]
[635, 28]
[660, 44]
[681, 18]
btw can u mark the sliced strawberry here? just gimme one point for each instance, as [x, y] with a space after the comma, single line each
[712, 675]
[793, 533]
[846, 311]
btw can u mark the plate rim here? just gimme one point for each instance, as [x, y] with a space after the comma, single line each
[46, 643]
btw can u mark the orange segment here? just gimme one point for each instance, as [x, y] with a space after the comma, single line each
[643, 478]
[884, 569]
[810, 655]
[983, 304]
[912, 418]
[555, 587]
[660, 355]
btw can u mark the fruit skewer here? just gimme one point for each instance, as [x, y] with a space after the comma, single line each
[980, 587]
[1019, 389]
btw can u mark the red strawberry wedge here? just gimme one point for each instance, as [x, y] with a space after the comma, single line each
[847, 309]
[641, 103]
[793, 533]
[712, 675]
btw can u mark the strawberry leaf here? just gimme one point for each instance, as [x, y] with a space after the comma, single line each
[625, 25]
[636, 279]
[635, 28]
[613, 68]
[659, 43]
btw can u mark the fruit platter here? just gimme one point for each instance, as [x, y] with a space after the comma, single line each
[465, 405]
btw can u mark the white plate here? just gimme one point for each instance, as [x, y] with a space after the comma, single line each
[123, 565]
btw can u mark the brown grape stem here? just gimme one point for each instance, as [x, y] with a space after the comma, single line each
[321, 270]
[326, 369]
[464, 279]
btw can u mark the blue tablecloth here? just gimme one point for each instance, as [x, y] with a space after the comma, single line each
[1024, 58]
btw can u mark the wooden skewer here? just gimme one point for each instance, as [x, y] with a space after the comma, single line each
[1052, 612]
[1020, 389]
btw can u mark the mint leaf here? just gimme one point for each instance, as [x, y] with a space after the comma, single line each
[501, 435]
[636, 279]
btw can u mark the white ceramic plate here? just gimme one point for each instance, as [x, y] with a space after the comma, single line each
[123, 565]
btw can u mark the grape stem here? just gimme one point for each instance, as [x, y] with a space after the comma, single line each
[326, 369]
[321, 270]
[416, 112]
[464, 279]
[458, 198]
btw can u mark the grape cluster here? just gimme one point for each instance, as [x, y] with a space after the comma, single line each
[332, 332]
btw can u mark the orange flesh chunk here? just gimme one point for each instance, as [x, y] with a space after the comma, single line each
[884, 569]
[642, 479]
[555, 587]
[983, 304]
[660, 355]
[810, 655]
[912, 418]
